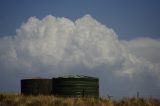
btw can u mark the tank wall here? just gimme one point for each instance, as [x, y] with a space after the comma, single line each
[36, 86]
[61, 87]
[76, 87]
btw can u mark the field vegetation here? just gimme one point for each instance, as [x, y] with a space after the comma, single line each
[8, 99]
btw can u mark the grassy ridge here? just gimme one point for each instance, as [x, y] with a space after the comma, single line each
[21, 100]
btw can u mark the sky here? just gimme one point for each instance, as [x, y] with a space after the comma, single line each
[116, 41]
[129, 19]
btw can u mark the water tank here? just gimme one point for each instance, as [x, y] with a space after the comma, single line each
[36, 86]
[76, 86]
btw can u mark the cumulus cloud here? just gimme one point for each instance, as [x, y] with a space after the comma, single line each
[58, 46]
[144, 47]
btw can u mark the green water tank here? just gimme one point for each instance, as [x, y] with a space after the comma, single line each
[83, 86]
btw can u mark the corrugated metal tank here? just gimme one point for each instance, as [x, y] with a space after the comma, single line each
[36, 86]
[76, 86]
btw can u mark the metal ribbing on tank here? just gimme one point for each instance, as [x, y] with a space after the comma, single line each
[76, 86]
[36, 86]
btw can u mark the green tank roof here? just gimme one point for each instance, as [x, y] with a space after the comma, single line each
[77, 76]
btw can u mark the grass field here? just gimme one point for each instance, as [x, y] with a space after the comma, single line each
[7, 99]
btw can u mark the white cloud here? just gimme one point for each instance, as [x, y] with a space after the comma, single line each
[58, 46]
[144, 47]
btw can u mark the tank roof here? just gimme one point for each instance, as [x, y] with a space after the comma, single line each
[77, 76]
[34, 78]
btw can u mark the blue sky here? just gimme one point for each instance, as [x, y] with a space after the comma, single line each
[129, 18]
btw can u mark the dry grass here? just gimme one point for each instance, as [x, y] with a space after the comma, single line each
[21, 100]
